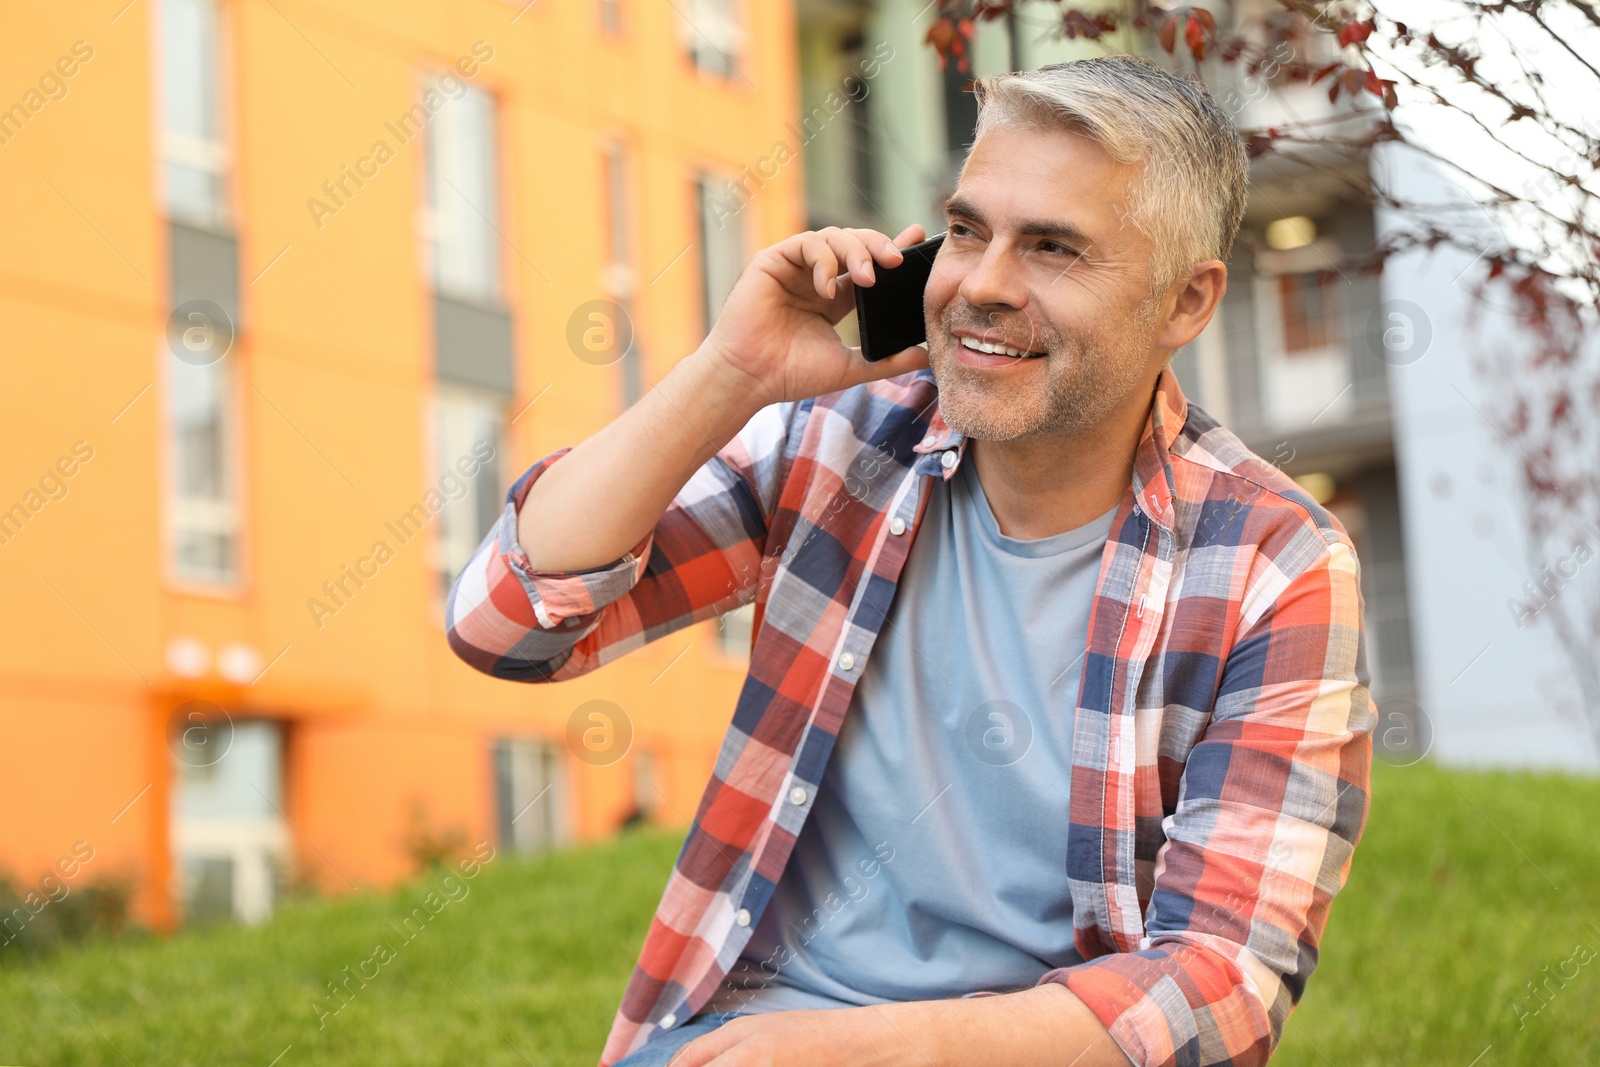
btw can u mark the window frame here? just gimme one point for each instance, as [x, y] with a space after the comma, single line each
[701, 188]
[496, 294]
[620, 273]
[558, 822]
[214, 156]
[695, 39]
[447, 396]
[176, 511]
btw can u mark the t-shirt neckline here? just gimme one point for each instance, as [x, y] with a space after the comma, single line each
[1096, 529]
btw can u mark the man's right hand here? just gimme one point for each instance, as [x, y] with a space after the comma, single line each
[773, 341]
[775, 333]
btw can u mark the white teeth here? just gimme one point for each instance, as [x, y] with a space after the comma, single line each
[984, 346]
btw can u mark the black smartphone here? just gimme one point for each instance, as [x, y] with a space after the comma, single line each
[889, 312]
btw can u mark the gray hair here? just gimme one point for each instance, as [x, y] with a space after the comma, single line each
[1189, 197]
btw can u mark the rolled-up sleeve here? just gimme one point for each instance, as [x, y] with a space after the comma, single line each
[506, 619]
[1272, 802]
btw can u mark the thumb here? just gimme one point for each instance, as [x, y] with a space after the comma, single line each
[910, 359]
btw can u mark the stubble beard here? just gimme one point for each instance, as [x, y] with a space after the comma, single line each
[1086, 378]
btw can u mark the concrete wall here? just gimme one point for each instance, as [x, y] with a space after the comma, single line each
[1495, 694]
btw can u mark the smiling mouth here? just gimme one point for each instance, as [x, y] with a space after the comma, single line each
[997, 350]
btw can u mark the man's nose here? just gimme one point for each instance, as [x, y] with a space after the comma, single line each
[996, 279]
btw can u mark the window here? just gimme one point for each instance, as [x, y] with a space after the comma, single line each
[470, 431]
[531, 814]
[192, 150]
[1310, 316]
[202, 507]
[712, 35]
[202, 511]
[619, 260]
[230, 840]
[960, 112]
[463, 193]
[863, 152]
[721, 244]
[646, 787]
[734, 632]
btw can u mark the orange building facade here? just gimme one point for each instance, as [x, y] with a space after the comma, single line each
[291, 293]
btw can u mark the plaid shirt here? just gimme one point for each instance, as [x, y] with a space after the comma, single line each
[1222, 727]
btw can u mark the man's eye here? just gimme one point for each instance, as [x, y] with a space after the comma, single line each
[957, 229]
[1055, 249]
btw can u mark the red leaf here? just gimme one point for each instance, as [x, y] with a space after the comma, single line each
[1257, 146]
[1560, 409]
[1207, 19]
[1078, 24]
[1194, 35]
[1169, 33]
[1324, 72]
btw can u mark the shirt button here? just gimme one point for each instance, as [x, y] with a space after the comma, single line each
[897, 526]
[742, 917]
[928, 440]
[668, 1021]
[948, 460]
[797, 795]
[847, 662]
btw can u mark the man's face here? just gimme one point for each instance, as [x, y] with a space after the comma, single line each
[1041, 258]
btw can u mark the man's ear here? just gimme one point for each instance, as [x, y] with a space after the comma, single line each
[1197, 293]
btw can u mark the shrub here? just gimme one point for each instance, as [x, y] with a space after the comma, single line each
[36, 919]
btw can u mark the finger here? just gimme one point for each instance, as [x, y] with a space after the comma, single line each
[910, 359]
[851, 250]
[705, 1048]
[694, 1054]
[881, 249]
[835, 255]
[911, 235]
[886, 250]
[817, 252]
[843, 302]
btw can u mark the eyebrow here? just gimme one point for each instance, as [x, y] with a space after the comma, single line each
[1059, 231]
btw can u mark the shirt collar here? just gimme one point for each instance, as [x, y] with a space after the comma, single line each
[938, 439]
[1153, 483]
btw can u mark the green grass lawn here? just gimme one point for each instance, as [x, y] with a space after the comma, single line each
[1465, 888]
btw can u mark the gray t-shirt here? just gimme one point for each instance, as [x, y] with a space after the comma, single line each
[933, 863]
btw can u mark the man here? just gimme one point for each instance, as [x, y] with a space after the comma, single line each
[1057, 692]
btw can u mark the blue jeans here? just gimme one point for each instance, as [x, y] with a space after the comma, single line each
[664, 1044]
